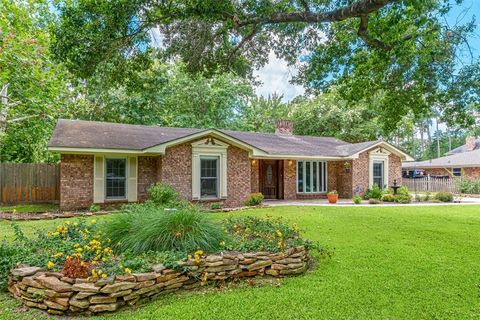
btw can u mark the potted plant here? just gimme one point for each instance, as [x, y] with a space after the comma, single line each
[332, 196]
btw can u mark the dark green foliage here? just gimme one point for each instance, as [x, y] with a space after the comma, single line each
[254, 199]
[94, 208]
[374, 193]
[163, 195]
[216, 206]
[443, 196]
[403, 195]
[145, 228]
[357, 200]
[469, 186]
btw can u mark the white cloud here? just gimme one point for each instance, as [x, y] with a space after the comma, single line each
[275, 78]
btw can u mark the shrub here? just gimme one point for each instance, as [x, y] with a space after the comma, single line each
[374, 193]
[471, 186]
[147, 228]
[216, 206]
[94, 208]
[427, 197]
[403, 195]
[357, 199]
[419, 198]
[163, 195]
[333, 192]
[388, 197]
[444, 196]
[373, 201]
[254, 199]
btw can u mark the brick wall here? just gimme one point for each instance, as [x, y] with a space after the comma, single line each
[469, 173]
[76, 181]
[290, 179]
[255, 175]
[238, 177]
[147, 175]
[176, 169]
[394, 169]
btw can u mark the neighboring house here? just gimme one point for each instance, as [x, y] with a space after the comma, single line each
[108, 162]
[462, 161]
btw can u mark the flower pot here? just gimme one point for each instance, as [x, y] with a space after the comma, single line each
[332, 198]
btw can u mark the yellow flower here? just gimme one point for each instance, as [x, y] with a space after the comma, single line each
[55, 233]
[67, 222]
[279, 233]
[50, 265]
[198, 252]
[58, 255]
[79, 249]
[222, 243]
[100, 271]
[76, 245]
[127, 270]
[104, 275]
[93, 221]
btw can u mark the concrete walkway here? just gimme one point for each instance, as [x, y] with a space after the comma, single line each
[349, 202]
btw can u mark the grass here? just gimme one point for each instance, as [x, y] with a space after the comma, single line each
[389, 263]
[30, 208]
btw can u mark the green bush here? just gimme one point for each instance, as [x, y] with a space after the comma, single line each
[374, 193]
[144, 228]
[216, 206]
[163, 195]
[427, 197]
[444, 196]
[471, 186]
[357, 199]
[94, 208]
[403, 195]
[254, 199]
[388, 197]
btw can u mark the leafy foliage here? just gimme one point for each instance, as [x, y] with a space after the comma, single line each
[254, 199]
[357, 199]
[443, 196]
[469, 186]
[374, 193]
[163, 195]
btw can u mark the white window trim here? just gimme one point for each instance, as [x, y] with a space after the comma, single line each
[209, 147]
[126, 179]
[379, 154]
[321, 165]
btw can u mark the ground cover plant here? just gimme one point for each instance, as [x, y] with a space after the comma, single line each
[30, 208]
[422, 258]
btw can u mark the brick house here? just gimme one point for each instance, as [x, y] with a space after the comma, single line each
[463, 161]
[108, 162]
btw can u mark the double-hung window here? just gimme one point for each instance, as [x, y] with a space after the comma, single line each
[311, 176]
[378, 173]
[116, 178]
[457, 172]
[209, 177]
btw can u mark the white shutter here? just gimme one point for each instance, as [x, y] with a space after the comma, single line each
[195, 176]
[98, 180]
[132, 179]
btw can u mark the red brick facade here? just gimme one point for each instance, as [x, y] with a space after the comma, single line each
[175, 169]
[468, 173]
[76, 181]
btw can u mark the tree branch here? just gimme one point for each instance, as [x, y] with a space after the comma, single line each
[371, 42]
[357, 9]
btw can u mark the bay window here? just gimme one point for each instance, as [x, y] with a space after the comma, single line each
[311, 176]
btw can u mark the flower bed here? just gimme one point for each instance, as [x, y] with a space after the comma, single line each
[58, 294]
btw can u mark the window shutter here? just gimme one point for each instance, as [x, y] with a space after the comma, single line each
[98, 180]
[195, 176]
[132, 179]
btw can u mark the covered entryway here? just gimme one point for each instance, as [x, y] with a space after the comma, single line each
[271, 179]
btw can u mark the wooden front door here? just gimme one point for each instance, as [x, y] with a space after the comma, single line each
[269, 179]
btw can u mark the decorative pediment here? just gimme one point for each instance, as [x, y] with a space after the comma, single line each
[380, 152]
[210, 143]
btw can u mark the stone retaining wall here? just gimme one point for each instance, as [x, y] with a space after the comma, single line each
[57, 294]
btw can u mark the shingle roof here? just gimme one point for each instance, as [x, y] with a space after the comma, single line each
[463, 148]
[104, 135]
[464, 159]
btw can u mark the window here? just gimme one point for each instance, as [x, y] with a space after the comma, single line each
[378, 173]
[457, 172]
[311, 176]
[209, 177]
[116, 178]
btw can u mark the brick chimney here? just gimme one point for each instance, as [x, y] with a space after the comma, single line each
[470, 143]
[283, 127]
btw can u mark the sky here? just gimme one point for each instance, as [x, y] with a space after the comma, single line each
[276, 75]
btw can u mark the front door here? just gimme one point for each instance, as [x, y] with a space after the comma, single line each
[269, 176]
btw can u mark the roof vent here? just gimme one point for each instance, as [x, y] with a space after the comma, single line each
[470, 143]
[283, 127]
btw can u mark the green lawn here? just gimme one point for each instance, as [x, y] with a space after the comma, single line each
[30, 208]
[389, 263]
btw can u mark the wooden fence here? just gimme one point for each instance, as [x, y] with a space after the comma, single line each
[29, 183]
[431, 184]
